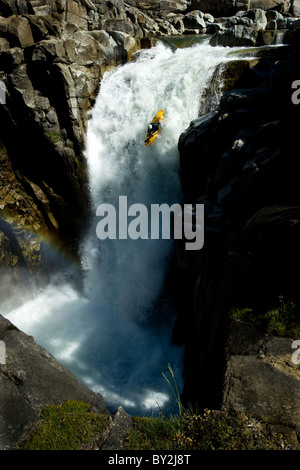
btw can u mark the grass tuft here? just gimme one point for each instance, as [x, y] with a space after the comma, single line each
[69, 426]
[174, 388]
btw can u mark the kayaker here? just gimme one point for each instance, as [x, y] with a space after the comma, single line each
[153, 127]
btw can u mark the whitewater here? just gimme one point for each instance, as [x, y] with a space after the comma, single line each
[116, 335]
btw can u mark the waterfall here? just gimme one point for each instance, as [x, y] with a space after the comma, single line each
[117, 337]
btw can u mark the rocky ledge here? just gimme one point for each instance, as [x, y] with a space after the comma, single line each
[30, 379]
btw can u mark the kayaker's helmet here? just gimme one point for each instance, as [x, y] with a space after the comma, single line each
[150, 127]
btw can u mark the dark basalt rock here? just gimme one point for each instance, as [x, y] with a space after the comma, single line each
[241, 162]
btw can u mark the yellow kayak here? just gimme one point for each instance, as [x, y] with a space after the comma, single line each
[151, 136]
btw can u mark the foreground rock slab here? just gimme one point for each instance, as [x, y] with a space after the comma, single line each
[30, 379]
[262, 378]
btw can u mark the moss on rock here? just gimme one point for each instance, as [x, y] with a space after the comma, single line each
[69, 426]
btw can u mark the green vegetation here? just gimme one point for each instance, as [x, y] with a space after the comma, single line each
[212, 430]
[281, 320]
[73, 426]
[69, 426]
[153, 433]
[216, 430]
[174, 388]
[53, 137]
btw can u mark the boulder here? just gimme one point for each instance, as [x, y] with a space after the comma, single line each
[194, 20]
[118, 25]
[176, 6]
[258, 17]
[22, 86]
[230, 7]
[247, 98]
[213, 28]
[4, 45]
[282, 6]
[11, 58]
[265, 384]
[229, 21]
[272, 25]
[19, 32]
[293, 23]
[177, 22]
[88, 48]
[77, 14]
[237, 35]
[208, 18]
[273, 15]
[11, 7]
[295, 8]
[165, 28]
[46, 51]
[281, 23]
[127, 45]
[39, 27]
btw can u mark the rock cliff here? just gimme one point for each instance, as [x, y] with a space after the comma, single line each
[241, 161]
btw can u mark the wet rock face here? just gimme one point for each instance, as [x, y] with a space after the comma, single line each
[241, 162]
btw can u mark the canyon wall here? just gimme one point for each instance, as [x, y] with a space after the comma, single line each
[242, 163]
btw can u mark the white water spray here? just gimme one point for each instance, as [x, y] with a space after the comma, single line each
[114, 338]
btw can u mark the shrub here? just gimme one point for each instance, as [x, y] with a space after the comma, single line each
[219, 430]
[281, 320]
[211, 430]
